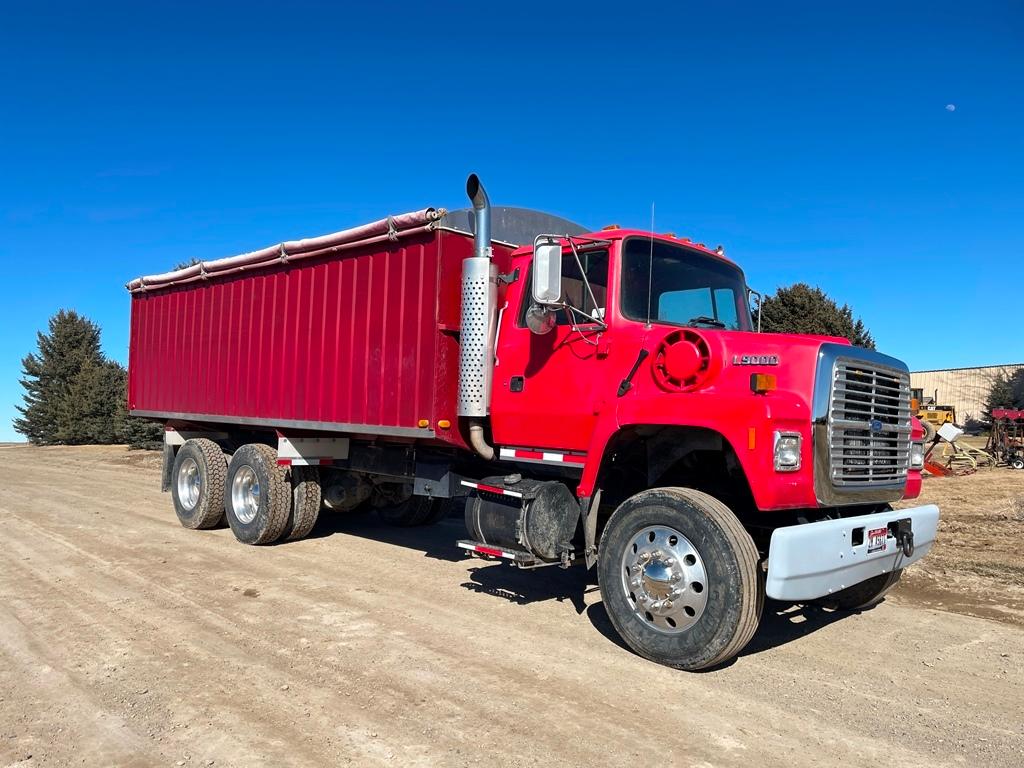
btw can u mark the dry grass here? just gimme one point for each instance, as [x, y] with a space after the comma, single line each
[977, 564]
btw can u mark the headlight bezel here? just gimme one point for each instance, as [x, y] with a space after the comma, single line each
[916, 458]
[787, 451]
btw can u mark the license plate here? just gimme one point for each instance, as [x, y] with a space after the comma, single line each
[877, 539]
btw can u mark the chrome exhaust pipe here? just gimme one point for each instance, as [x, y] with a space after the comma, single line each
[481, 215]
[478, 322]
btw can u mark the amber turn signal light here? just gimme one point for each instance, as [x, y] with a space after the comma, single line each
[760, 383]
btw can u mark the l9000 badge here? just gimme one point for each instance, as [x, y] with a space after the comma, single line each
[755, 359]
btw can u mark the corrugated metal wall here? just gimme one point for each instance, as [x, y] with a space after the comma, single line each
[351, 339]
[966, 389]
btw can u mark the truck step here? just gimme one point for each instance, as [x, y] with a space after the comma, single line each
[518, 557]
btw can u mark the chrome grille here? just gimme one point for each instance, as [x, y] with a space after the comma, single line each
[868, 424]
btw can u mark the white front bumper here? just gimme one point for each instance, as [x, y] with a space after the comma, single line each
[818, 559]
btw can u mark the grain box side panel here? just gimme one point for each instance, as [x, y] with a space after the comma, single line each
[349, 339]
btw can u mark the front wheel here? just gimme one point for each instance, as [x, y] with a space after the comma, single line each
[680, 578]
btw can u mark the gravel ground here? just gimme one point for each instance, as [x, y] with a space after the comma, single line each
[127, 640]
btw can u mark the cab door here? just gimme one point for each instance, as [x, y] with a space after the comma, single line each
[547, 388]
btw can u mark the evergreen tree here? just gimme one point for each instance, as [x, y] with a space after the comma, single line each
[142, 434]
[62, 380]
[1006, 392]
[74, 395]
[138, 433]
[799, 308]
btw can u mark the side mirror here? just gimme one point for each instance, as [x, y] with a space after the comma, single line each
[547, 271]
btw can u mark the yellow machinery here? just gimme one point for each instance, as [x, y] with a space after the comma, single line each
[926, 410]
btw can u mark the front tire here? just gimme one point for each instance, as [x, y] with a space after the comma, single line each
[680, 578]
[197, 484]
[257, 495]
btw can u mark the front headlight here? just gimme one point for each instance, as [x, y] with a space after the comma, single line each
[787, 451]
[916, 455]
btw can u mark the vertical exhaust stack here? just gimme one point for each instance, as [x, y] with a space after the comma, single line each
[478, 322]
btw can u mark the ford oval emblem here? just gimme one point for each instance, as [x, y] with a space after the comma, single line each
[875, 425]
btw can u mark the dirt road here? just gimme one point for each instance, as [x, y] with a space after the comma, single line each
[127, 640]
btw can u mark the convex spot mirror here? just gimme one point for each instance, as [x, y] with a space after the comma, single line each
[547, 271]
[540, 319]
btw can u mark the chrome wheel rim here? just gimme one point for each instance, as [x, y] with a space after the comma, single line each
[245, 494]
[665, 580]
[190, 484]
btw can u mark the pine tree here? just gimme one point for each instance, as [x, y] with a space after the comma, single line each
[64, 370]
[142, 434]
[138, 433]
[74, 395]
[799, 308]
[1006, 392]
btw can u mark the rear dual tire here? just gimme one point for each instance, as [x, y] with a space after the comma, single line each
[263, 502]
[257, 495]
[197, 484]
[306, 500]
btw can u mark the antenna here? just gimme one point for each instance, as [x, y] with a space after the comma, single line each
[650, 269]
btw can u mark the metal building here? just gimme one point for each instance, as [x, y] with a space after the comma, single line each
[966, 389]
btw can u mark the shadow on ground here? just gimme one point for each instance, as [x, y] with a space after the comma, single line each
[781, 623]
[434, 541]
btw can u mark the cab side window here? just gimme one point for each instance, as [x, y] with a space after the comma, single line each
[574, 290]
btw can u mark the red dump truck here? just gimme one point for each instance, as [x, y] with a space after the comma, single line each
[593, 398]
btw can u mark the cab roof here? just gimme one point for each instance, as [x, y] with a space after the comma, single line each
[617, 233]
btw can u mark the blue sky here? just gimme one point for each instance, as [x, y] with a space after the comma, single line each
[812, 139]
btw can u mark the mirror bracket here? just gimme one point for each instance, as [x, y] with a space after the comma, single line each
[510, 277]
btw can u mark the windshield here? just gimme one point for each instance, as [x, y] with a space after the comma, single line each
[687, 287]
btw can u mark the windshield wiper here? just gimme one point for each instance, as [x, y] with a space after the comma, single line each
[705, 320]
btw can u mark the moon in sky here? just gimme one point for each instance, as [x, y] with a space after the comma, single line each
[951, 107]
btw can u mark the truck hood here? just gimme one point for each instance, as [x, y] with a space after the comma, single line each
[734, 356]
